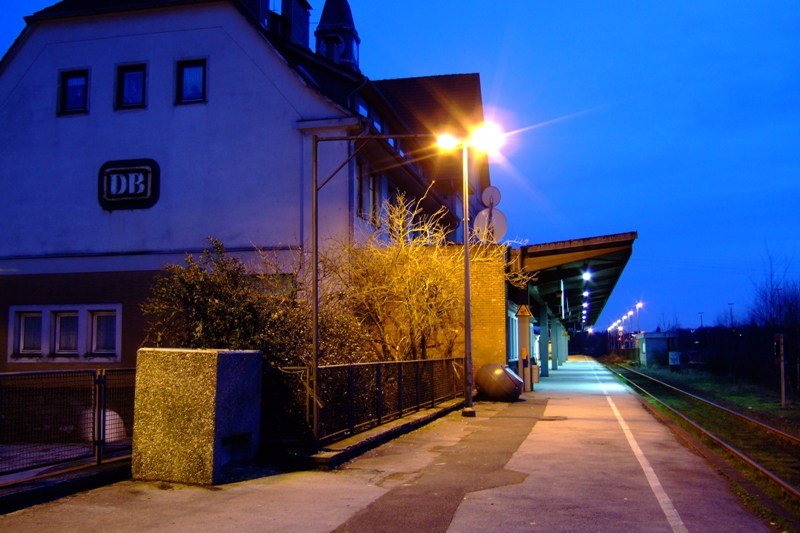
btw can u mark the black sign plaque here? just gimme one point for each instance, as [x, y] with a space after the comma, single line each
[128, 184]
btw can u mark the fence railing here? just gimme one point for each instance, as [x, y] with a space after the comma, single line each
[357, 397]
[52, 417]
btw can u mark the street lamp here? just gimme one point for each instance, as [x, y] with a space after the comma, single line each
[487, 138]
[639, 306]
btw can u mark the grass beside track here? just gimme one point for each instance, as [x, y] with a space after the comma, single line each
[749, 399]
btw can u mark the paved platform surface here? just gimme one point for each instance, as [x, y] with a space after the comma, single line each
[579, 454]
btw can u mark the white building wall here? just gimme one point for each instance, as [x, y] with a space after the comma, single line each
[235, 168]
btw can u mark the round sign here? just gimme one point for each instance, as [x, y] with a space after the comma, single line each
[490, 225]
[490, 196]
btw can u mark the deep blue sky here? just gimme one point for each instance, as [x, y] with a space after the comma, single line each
[680, 120]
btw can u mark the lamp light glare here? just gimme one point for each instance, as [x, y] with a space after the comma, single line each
[447, 142]
[585, 294]
[488, 138]
[587, 276]
[639, 305]
[630, 313]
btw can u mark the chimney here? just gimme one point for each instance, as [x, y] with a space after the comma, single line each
[296, 15]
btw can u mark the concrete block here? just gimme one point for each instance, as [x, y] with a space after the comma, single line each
[196, 414]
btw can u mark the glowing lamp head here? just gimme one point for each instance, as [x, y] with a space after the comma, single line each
[447, 142]
[590, 330]
[587, 276]
[585, 305]
[639, 305]
[585, 294]
[489, 138]
[630, 313]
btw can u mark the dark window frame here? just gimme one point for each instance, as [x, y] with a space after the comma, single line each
[63, 78]
[119, 91]
[179, 75]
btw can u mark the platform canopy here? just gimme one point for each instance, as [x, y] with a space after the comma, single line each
[559, 268]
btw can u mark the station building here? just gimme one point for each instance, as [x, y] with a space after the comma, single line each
[133, 130]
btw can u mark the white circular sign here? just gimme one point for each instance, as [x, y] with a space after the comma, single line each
[490, 225]
[490, 196]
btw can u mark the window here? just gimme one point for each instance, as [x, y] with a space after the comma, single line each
[361, 107]
[66, 334]
[191, 82]
[512, 337]
[73, 95]
[30, 333]
[131, 86]
[104, 332]
[369, 194]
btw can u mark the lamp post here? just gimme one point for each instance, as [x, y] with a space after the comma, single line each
[639, 306]
[486, 138]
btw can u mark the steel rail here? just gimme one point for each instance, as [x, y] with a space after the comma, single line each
[753, 421]
[789, 489]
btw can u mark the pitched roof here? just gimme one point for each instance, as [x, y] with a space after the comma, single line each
[72, 8]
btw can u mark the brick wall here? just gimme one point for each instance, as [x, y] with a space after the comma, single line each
[488, 294]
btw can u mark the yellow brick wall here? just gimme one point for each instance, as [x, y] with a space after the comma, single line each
[488, 294]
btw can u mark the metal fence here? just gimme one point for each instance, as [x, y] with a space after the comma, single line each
[54, 417]
[357, 397]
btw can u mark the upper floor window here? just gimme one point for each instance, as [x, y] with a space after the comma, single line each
[191, 86]
[73, 90]
[131, 86]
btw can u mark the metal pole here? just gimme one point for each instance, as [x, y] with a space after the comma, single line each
[315, 286]
[468, 410]
[779, 339]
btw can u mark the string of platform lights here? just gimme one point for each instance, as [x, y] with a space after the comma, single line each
[619, 324]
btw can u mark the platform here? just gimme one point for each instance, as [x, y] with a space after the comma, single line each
[580, 453]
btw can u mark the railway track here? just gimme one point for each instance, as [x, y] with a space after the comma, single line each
[773, 453]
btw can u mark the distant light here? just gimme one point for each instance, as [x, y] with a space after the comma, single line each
[624, 318]
[585, 294]
[590, 330]
[619, 329]
[639, 305]
[630, 313]
[447, 141]
[585, 305]
[587, 276]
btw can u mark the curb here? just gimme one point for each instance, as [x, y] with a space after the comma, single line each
[42, 490]
[340, 452]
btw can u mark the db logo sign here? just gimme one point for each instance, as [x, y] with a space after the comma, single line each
[129, 184]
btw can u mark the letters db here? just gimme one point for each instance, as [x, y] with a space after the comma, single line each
[129, 184]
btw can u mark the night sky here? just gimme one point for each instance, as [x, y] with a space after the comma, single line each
[679, 120]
